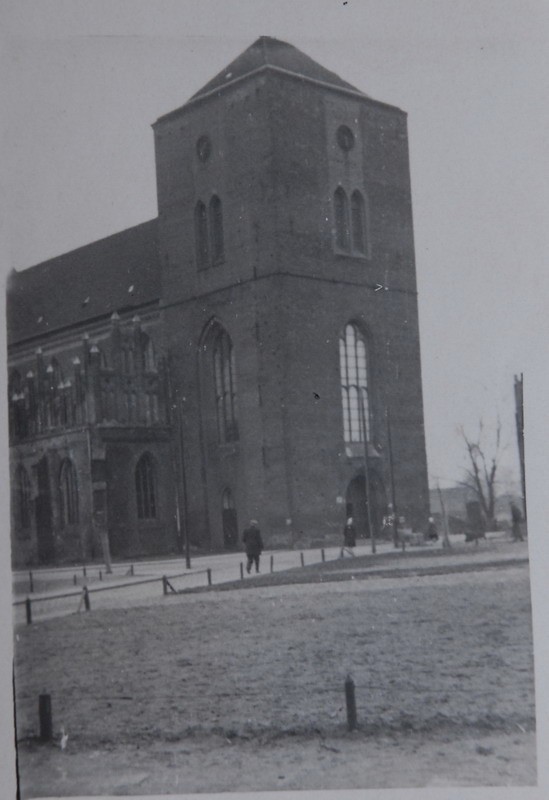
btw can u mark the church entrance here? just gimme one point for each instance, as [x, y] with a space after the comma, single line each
[357, 508]
[230, 522]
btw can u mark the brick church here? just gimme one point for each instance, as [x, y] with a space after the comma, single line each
[241, 355]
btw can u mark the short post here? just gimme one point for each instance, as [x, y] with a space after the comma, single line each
[100, 575]
[302, 559]
[84, 571]
[323, 555]
[209, 576]
[350, 702]
[241, 571]
[132, 571]
[31, 582]
[272, 563]
[86, 598]
[44, 715]
[164, 584]
[28, 608]
[74, 579]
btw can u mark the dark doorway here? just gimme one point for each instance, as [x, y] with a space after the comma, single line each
[356, 506]
[230, 522]
[43, 512]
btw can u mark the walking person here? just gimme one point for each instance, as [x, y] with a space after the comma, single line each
[432, 533]
[516, 519]
[349, 538]
[253, 545]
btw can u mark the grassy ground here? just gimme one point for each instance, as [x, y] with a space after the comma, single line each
[439, 657]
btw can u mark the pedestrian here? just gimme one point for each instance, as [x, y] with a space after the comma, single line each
[349, 538]
[432, 533]
[516, 519]
[253, 545]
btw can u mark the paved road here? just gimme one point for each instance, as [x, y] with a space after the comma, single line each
[144, 587]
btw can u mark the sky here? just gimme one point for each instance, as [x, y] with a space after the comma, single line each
[85, 81]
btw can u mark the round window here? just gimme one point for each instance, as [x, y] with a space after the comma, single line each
[203, 148]
[345, 138]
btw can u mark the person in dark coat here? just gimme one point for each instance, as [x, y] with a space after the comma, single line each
[516, 519]
[432, 533]
[349, 538]
[253, 544]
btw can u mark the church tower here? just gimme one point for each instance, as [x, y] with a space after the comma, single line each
[289, 302]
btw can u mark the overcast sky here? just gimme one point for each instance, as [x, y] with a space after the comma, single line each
[85, 80]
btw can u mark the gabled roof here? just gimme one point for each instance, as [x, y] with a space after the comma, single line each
[267, 52]
[112, 274]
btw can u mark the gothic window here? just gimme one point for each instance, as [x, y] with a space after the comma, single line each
[341, 214]
[201, 235]
[68, 494]
[358, 223]
[225, 388]
[23, 508]
[149, 359]
[354, 384]
[145, 487]
[216, 229]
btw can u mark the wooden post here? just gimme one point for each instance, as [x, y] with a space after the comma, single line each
[31, 582]
[302, 559]
[100, 575]
[241, 571]
[74, 579]
[86, 598]
[164, 584]
[323, 555]
[84, 571]
[132, 572]
[44, 715]
[350, 702]
[28, 608]
[272, 563]
[209, 576]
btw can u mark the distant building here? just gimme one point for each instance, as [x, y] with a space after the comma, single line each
[224, 360]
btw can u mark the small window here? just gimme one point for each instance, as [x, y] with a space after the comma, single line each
[358, 223]
[23, 508]
[145, 487]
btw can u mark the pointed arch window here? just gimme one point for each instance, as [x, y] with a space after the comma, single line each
[341, 213]
[225, 387]
[23, 500]
[68, 494]
[353, 362]
[201, 235]
[145, 487]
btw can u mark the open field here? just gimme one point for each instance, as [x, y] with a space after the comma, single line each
[234, 689]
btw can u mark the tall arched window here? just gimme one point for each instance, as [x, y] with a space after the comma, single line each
[201, 235]
[23, 488]
[225, 388]
[358, 222]
[354, 384]
[216, 229]
[341, 214]
[145, 487]
[68, 494]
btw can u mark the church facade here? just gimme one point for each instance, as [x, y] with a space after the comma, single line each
[252, 352]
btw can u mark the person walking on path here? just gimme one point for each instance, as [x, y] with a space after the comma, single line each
[432, 533]
[349, 538]
[516, 519]
[253, 545]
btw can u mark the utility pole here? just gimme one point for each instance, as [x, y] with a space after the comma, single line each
[366, 471]
[519, 418]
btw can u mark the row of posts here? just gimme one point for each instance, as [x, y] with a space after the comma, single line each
[46, 718]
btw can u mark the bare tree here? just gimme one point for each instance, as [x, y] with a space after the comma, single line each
[481, 476]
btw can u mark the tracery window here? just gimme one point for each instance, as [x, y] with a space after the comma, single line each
[68, 494]
[225, 387]
[145, 487]
[351, 228]
[353, 362]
